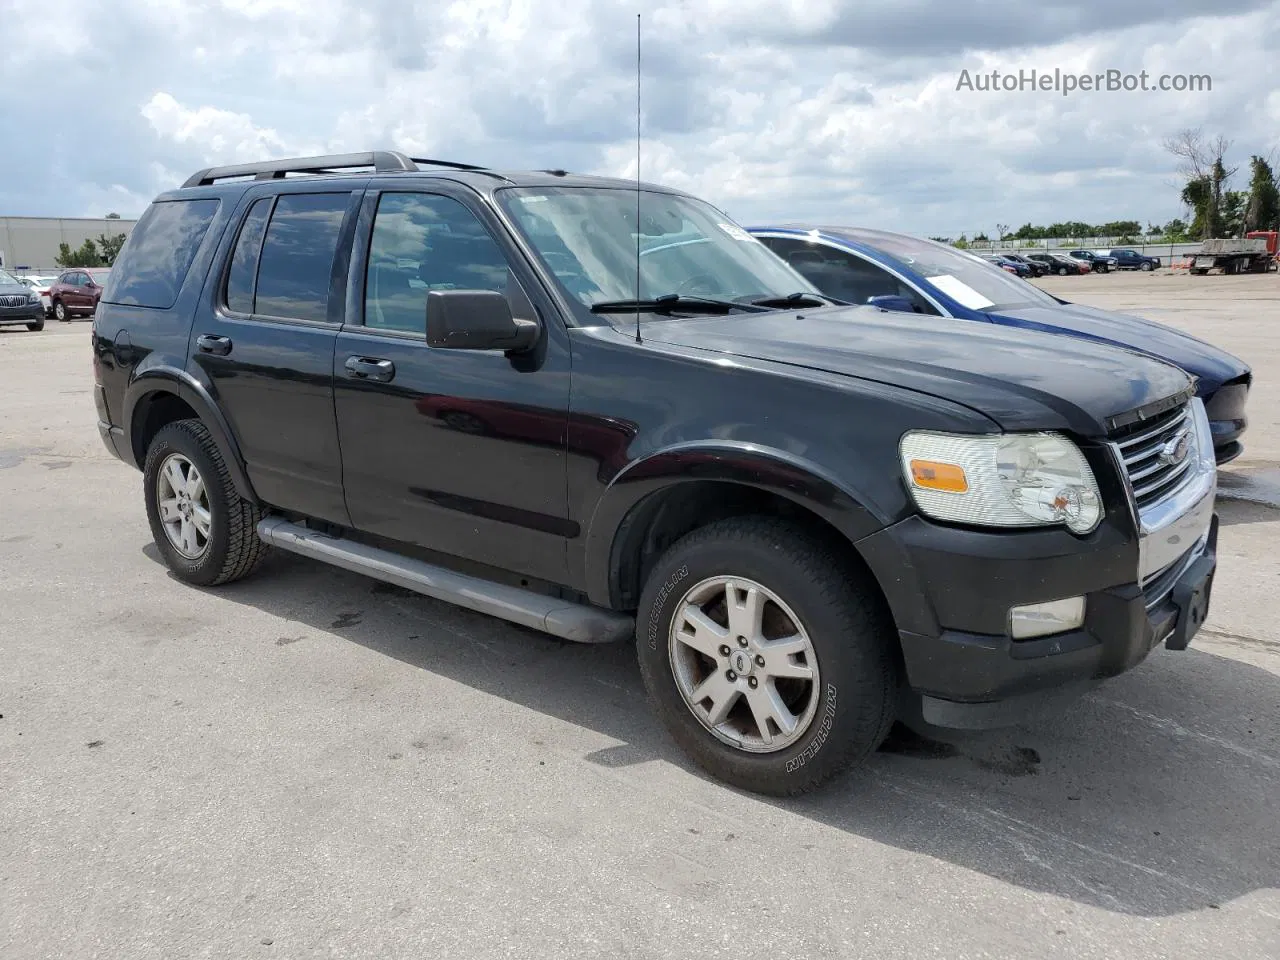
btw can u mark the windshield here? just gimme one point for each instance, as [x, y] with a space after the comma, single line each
[6, 277]
[586, 237]
[966, 278]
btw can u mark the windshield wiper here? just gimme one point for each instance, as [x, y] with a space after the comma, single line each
[797, 300]
[669, 302]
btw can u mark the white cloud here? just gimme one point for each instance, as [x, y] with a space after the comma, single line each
[773, 109]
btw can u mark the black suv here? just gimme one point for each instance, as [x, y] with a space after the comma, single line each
[1127, 259]
[605, 411]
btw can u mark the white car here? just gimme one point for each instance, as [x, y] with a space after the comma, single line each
[41, 285]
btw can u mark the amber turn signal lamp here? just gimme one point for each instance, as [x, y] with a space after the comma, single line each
[932, 475]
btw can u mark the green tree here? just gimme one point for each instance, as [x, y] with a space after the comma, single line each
[1234, 203]
[1201, 162]
[86, 256]
[1263, 209]
[113, 216]
[110, 246]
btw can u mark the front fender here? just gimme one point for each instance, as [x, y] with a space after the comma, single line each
[744, 464]
[162, 377]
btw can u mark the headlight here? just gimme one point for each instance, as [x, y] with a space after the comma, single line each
[33, 298]
[1002, 480]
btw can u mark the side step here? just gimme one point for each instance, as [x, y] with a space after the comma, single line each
[560, 618]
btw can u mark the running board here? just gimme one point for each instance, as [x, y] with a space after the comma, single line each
[560, 618]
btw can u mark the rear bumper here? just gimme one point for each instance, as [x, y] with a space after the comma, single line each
[112, 438]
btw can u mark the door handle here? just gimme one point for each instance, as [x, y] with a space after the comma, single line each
[370, 368]
[210, 343]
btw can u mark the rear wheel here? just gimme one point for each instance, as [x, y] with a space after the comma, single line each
[204, 529]
[1063, 271]
[60, 311]
[767, 657]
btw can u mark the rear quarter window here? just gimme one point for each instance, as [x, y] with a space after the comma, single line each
[154, 262]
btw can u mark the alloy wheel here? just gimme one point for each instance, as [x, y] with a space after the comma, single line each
[744, 664]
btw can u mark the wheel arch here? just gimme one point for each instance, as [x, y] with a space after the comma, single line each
[161, 394]
[658, 499]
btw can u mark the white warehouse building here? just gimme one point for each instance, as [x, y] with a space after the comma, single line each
[30, 244]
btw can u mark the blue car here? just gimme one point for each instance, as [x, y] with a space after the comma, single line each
[899, 272]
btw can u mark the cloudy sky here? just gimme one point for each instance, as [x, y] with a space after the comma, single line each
[847, 110]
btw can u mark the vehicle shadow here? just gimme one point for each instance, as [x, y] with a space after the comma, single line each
[1158, 794]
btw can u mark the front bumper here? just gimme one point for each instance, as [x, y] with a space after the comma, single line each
[1146, 580]
[25, 313]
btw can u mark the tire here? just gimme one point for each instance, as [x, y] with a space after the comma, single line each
[1062, 271]
[231, 548]
[35, 326]
[1145, 267]
[843, 711]
[60, 311]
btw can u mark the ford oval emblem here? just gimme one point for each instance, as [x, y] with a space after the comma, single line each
[1175, 449]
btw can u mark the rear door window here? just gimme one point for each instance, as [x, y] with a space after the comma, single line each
[296, 264]
[154, 262]
[243, 272]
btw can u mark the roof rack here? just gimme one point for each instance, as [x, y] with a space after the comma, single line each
[382, 161]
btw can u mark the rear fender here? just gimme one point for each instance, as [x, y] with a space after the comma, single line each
[162, 377]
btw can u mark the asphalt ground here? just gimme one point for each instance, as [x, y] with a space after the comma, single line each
[311, 764]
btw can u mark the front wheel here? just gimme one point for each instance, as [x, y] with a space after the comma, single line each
[1145, 268]
[36, 325]
[204, 529]
[1063, 271]
[767, 656]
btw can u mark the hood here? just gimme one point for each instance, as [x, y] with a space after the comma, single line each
[1211, 365]
[1022, 380]
[9, 289]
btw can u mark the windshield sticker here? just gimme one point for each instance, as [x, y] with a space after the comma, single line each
[961, 292]
[532, 199]
[737, 232]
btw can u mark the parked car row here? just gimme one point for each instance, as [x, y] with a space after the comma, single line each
[72, 293]
[822, 478]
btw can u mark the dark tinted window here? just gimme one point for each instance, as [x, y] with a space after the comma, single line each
[297, 255]
[423, 242]
[244, 261]
[842, 275]
[154, 262]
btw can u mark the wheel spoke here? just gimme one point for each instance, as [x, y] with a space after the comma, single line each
[779, 662]
[188, 534]
[721, 692]
[173, 474]
[203, 521]
[745, 608]
[195, 484]
[700, 632]
[169, 512]
[766, 705]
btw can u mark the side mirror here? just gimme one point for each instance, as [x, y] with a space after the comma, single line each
[892, 302]
[476, 320]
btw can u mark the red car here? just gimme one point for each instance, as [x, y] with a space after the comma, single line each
[77, 291]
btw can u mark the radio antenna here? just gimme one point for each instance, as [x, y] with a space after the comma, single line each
[638, 178]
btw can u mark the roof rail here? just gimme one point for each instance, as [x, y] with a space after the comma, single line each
[445, 163]
[383, 161]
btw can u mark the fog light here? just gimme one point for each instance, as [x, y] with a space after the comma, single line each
[1041, 619]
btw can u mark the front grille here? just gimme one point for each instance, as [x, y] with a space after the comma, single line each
[1146, 449]
[13, 301]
